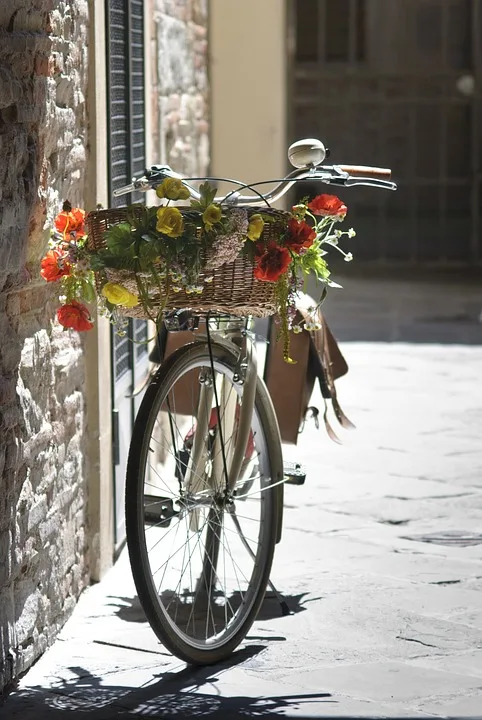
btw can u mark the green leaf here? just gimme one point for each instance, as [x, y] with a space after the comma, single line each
[118, 238]
[147, 252]
[88, 291]
[312, 261]
[208, 193]
[97, 262]
[149, 237]
[118, 262]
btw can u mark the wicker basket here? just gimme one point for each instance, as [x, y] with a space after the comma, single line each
[233, 289]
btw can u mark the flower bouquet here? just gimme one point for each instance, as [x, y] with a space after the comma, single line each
[145, 261]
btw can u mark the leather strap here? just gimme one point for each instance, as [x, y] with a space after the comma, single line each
[329, 365]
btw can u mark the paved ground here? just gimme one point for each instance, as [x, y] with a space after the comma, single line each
[380, 560]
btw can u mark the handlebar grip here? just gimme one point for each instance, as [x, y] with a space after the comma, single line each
[366, 171]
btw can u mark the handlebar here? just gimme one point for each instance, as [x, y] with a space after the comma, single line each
[365, 171]
[341, 175]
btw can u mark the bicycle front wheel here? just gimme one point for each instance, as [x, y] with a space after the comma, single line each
[201, 553]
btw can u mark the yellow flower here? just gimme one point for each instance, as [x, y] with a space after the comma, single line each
[170, 222]
[255, 227]
[211, 216]
[119, 295]
[172, 189]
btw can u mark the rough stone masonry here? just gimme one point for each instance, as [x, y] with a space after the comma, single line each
[43, 151]
[43, 67]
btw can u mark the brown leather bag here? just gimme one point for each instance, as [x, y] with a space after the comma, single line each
[184, 396]
[318, 357]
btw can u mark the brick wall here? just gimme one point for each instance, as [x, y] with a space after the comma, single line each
[42, 486]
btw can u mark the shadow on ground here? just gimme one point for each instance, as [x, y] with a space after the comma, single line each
[170, 695]
[129, 609]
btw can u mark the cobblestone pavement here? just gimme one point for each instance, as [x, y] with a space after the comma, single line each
[380, 560]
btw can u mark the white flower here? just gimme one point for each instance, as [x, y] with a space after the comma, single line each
[351, 233]
[348, 257]
[82, 267]
[297, 329]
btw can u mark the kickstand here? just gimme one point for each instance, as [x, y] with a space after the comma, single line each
[285, 610]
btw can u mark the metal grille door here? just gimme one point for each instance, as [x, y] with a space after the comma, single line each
[126, 104]
[126, 93]
[397, 83]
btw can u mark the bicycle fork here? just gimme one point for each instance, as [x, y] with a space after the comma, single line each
[218, 468]
[234, 423]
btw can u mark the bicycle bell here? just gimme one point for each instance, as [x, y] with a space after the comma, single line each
[304, 153]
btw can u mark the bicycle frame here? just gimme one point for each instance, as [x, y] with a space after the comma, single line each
[227, 461]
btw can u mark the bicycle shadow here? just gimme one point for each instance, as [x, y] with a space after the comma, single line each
[190, 692]
[129, 609]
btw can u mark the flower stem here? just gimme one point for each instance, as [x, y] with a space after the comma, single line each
[282, 290]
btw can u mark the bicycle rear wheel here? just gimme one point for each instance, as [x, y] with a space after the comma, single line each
[201, 558]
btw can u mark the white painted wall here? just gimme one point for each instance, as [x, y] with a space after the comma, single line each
[248, 71]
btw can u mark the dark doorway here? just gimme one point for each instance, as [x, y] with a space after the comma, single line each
[397, 84]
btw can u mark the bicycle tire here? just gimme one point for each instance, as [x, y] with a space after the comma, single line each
[183, 642]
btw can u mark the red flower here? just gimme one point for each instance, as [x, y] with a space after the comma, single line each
[271, 262]
[54, 266]
[70, 220]
[75, 316]
[328, 205]
[300, 235]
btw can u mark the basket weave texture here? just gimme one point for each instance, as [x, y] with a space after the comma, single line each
[233, 289]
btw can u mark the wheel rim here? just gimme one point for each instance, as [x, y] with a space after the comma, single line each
[198, 546]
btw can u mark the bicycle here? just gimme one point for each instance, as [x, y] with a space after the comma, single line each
[205, 476]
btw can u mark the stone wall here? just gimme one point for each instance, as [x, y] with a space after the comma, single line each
[180, 96]
[43, 56]
[43, 141]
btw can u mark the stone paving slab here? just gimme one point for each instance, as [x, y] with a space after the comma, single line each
[466, 663]
[388, 682]
[468, 707]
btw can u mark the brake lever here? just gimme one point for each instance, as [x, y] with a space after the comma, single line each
[371, 182]
[152, 176]
[137, 185]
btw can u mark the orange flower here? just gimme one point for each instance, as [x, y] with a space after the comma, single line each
[328, 205]
[75, 316]
[54, 266]
[300, 235]
[70, 220]
[271, 263]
